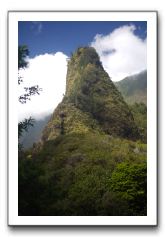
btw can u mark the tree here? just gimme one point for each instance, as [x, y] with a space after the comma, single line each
[23, 54]
[129, 181]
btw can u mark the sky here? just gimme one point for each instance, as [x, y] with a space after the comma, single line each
[122, 47]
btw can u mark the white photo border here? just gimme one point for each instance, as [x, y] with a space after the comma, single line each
[13, 18]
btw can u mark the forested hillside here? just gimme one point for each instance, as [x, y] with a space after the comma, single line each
[91, 160]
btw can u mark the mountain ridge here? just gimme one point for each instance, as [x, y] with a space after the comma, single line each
[90, 90]
[134, 88]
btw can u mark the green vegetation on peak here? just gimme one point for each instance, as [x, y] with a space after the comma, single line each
[73, 120]
[85, 55]
[91, 93]
[90, 161]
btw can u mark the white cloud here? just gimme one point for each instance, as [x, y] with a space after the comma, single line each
[49, 72]
[122, 52]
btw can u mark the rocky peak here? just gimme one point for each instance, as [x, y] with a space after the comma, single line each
[91, 98]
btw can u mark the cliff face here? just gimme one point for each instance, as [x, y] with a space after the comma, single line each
[91, 102]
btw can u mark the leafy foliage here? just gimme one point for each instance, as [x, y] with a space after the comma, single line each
[23, 53]
[89, 161]
[75, 173]
[24, 126]
[33, 90]
[130, 182]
